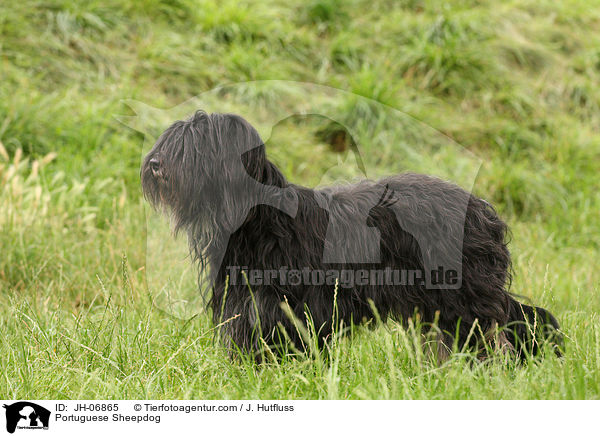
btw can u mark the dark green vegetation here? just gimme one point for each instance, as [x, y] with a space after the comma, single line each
[516, 83]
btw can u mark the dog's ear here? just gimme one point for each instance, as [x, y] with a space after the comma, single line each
[247, 178]
[243, 192]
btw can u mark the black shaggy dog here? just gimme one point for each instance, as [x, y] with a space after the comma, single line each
[274, 251]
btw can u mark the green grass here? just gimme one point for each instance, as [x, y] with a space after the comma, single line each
[513, 83]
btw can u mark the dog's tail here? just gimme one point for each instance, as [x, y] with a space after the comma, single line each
[530, 327]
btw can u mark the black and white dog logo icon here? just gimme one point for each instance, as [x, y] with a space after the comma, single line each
[26, 415]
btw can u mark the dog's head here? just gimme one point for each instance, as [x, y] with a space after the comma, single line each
[202, 166]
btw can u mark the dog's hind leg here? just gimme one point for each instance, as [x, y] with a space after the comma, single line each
[436, 346]
[497, 337]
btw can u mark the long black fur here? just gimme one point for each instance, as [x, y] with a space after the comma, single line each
[191, 172]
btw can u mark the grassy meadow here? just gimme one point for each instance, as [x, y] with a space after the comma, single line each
[510, 92]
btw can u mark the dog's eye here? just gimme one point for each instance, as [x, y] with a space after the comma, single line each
[154, 165]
